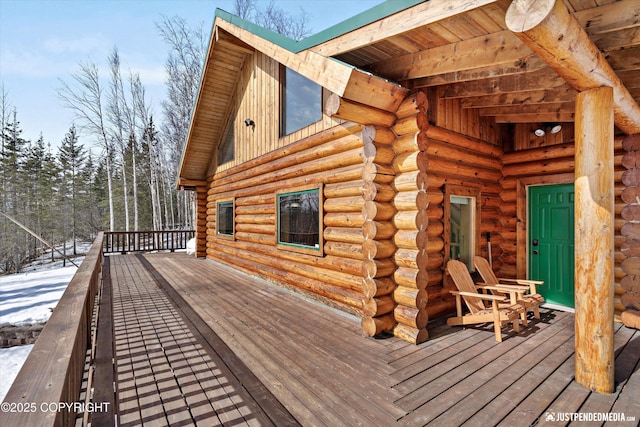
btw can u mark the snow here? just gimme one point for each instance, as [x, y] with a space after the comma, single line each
[28, 298]
[12, 360]
[191, 247]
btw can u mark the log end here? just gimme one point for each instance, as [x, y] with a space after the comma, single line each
[523, 15]
[373, 326]
[631, 318]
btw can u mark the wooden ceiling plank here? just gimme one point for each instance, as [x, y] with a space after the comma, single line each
[622, 39]
[627, 59]
[609, 18]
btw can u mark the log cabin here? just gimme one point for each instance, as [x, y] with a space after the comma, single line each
[352, 165]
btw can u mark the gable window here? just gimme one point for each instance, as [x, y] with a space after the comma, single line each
[462, 219]
[301, 101]
[224, 218]
[299, 215]
[226, 151]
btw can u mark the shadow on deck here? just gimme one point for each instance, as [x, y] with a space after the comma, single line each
[199, 343]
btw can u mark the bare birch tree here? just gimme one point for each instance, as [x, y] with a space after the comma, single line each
[187, 49]
[117, 112]
[84, 97]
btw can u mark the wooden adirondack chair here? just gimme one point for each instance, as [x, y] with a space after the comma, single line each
[474, 300]
[530, 300]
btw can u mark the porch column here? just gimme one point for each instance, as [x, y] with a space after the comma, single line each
[201, 222]
[594, 229]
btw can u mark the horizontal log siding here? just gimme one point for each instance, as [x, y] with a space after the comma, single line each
[456, 159]
[332, 158]
[258, 98]
[201, 218]
[627, 295]
[548, 165]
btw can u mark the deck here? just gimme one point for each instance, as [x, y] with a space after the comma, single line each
[197, 343]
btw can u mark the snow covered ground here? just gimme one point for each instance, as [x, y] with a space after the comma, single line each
[28, 298]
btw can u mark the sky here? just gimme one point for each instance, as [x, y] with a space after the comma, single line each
[44, 41]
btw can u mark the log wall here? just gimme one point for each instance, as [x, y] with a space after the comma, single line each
[629, 289]
[459, 160]
[331, 159]
[548, 165]
[201, 222]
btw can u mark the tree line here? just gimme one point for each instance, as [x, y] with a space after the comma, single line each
[116, 167]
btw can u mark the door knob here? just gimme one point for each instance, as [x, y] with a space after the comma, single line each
[535, 252]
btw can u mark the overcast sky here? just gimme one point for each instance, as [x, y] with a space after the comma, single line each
[42, 41]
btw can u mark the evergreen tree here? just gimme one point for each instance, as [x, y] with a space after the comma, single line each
[71, 157]
[12, 164]
[41, 189]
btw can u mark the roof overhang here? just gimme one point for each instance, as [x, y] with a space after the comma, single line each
[233, 39]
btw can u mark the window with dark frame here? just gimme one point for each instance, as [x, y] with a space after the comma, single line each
[299, 220]
[226, 151]
[225, 218]
[301, 101]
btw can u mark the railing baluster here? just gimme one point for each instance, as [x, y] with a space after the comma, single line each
[145, 241]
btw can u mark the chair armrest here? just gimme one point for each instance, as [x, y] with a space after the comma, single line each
[522, 281]
[481, 296]
[516, 287]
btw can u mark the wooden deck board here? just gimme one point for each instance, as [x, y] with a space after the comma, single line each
[318, 365]
[164, 376]
[477, 390]
[322, 398]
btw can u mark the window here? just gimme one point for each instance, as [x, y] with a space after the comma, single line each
[301, 101]
[224, 218]
[299, 216]
[461, 224]
[226, 151]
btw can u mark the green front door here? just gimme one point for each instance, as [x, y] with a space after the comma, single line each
[551, 243]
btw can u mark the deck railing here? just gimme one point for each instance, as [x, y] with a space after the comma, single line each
[145, 241]
[47, 388]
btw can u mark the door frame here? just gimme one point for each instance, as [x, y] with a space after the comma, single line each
[522, 225]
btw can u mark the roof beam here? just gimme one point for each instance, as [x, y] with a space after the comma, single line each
[489, 51]
[535, 118]
[538, 80]
[532, 97]
[398, 23]
[547, 27]
[529, 64]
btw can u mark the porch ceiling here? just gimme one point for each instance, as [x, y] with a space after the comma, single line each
[474, 58]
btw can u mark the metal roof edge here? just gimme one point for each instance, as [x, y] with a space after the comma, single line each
[387, 8]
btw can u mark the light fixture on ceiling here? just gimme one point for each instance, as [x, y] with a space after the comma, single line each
[249, 122]
[552, 128]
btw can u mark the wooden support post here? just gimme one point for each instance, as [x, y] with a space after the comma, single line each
[594, 228]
